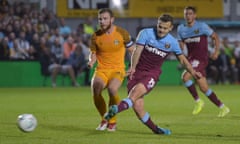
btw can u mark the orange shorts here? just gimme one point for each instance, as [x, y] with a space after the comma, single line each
[107, 75]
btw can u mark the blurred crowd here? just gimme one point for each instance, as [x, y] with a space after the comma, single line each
[28, 33]
[226, 69]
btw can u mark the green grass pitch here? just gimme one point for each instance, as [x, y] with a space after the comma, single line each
[68, 116]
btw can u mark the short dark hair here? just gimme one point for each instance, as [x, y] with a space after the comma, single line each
[191, 8]
[103, 10]
[166, 18]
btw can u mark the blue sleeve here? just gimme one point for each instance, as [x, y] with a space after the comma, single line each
[176, 48]
[142, 37]
[179, 38]
[206, 29]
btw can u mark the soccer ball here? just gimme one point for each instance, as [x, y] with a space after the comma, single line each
[26, 122]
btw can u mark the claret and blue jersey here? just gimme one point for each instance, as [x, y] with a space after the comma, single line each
[155, 49]
[196, 39]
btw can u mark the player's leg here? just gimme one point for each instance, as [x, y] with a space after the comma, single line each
[98, 84]
[203, 85]
[189, 84]
[114, 99]
[135, 99]
[145, 118]
[136, 92]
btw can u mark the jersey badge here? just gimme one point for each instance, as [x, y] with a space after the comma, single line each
[116, 42]
[196, 31]
[167, 45]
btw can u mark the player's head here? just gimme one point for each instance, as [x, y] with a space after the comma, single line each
[164, 25]
[190, 14]
[105, 18]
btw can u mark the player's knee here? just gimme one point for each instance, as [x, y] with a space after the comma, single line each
[97, 88]
[185, 77]
[204, 90]
[112, 90]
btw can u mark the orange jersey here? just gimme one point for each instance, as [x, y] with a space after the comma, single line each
[110, 48]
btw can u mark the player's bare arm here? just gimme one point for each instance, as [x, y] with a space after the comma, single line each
[182, 59]
[92, 59]
[134, 60]
[181, 44]
[136, 55]
[216, 42]
[131, 49]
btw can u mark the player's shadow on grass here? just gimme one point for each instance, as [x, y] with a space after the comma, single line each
[90, 130]
[73, 128]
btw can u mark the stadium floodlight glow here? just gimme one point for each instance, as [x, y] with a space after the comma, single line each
[117, 3]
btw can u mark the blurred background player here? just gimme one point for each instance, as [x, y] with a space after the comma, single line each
[194, 35]
[153, 45]
[108, 47]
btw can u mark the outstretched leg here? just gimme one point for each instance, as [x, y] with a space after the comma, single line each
[145, 118]
[135, 99]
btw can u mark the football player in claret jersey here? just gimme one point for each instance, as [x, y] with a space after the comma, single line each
[153, 45]
[108, 48]
[194, 35]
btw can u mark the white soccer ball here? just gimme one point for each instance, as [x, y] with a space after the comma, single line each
[27, 122]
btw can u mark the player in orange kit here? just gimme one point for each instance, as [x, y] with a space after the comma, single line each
[108, 48]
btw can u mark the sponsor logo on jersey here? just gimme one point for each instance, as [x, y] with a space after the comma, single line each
[155, 51]
[192, 40]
